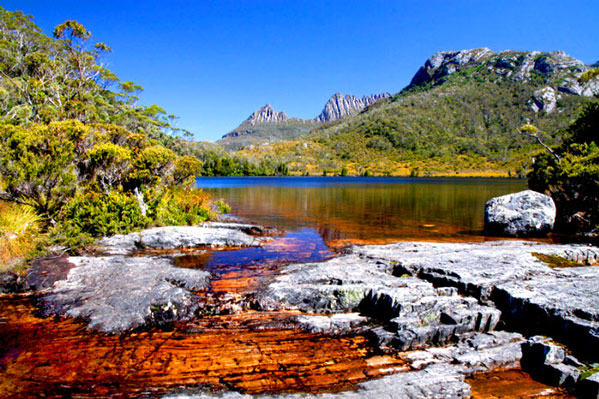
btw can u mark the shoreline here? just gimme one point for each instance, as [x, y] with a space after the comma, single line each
[394, 262]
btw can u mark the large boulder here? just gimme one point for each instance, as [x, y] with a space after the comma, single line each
[523, 214]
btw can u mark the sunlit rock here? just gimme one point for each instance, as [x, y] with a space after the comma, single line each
[522, 214]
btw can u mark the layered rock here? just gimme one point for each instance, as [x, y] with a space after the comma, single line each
[414, 314]
[340, 106]
[535, 299]
[522, 214]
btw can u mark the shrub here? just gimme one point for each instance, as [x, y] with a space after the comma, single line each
[98, 214]
[20, 236]
[183, 206]
[573, 180]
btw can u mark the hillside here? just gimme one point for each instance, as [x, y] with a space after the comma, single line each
[266, 125]
[459, 115]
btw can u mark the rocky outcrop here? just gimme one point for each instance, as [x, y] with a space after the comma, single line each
[557, 67]
[414, 313]
[173, 237]
[115, 293]
[266, 114]
[339, 107]
[446, 63]
[533, 298]
[544, 99]
[522, 214]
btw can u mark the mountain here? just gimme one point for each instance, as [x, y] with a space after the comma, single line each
[266, 125]
[460, 114]
[339, 107]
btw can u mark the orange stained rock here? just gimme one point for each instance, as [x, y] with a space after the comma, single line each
[251, 352]
[504, 384]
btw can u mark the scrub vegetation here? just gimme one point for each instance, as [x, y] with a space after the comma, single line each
[79, 158]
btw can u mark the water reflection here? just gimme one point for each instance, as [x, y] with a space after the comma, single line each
[246, 269]
[365, 208]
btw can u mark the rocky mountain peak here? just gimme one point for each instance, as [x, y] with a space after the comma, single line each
[266, 114]
[556, 68]
[447, 62]
[340, 106]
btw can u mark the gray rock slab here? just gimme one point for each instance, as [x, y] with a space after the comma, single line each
[436, 381]
[413, 313]
[173, 237]
[534, 298]
[119, 293]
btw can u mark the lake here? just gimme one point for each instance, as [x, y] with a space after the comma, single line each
[364, 209]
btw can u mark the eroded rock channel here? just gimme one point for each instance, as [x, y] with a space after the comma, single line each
[406, 320]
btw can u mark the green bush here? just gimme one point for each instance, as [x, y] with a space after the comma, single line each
[183, 206]
[573, 180]
[97, 214]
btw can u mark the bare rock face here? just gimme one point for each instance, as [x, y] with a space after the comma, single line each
[116, 293]
[339, 107]
[413, 312]
[447, 62]
[266, 114]
[522, 214]
[545, 99]
[560, 70]
[534, 299]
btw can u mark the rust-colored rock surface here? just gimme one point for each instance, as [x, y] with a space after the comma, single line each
[504, 384]
[249, 352]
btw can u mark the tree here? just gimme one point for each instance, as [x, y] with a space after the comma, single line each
[572, 179]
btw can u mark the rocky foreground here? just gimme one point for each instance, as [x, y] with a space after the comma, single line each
[447, 310]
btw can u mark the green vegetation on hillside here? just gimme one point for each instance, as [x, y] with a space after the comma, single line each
[464, 123]
[267, 132]
[571, 173]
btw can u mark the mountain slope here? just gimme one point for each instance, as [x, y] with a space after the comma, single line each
[266, 125]
[339, 107]
[460, 114]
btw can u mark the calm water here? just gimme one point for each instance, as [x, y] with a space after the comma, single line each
[368, 209]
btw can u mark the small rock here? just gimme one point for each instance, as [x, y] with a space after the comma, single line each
[522, 214]
[9, 283]
[560, 375]
[538, 350]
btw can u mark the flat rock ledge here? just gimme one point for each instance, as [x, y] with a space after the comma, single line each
[118, 293]
[425, 297]
[562, 303]
[176, 237]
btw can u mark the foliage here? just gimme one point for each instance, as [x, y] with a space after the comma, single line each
[38, 164]
[223, 207]
[76, 148]
[464, 123]
[20, 236]
[573, 180]
[183, 206]
[98, 214]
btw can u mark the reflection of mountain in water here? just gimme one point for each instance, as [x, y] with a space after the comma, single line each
[416, 208]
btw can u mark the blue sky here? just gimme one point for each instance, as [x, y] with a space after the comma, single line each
[212, 63]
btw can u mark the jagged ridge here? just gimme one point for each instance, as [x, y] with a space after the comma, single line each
[339, 107]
